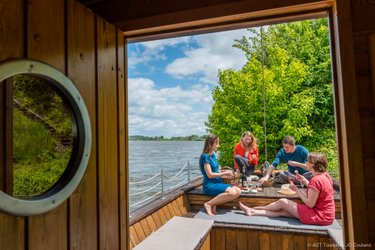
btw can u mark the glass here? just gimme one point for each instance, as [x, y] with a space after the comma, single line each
[42, 135]
[53, 93]
[291, 178]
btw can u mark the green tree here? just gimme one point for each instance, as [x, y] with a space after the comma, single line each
[297, 88]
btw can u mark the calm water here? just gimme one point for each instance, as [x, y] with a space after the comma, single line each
[147, 158]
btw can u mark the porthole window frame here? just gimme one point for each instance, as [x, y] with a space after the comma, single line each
[82, 142]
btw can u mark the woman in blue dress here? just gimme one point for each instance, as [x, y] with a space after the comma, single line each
[213, 185]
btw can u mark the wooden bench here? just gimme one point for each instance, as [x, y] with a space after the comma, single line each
[234, 230]
[179, 233]
[196, 199]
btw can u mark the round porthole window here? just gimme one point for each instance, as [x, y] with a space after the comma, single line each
[45, 136]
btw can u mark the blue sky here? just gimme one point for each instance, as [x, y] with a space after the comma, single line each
[171, 80]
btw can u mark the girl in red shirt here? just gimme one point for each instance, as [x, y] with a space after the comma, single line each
[245, 153]
[318, 206]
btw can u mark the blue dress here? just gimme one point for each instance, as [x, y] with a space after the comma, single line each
[212, 186]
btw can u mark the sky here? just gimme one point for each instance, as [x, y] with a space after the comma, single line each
[170, 81]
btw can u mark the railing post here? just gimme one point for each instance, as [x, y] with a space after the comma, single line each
[162, 183]
[189, 172]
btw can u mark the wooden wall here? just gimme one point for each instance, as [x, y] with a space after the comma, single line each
[224, 238]
[139, 230]
[355, 44]
[364, 60]
[90, 51]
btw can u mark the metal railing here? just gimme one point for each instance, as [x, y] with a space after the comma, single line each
[183, 176]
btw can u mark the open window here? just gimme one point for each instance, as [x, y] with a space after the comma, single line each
[284, 84]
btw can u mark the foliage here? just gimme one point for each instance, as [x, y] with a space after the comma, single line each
[162, 138]
[37, 163]
[36, 178]
[297, 92]
[38, 95]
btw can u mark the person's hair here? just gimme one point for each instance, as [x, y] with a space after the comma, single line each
[319, 161]
[210, 140]
[289, 140]
[253, 139]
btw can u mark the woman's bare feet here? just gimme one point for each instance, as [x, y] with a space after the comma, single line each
[208, 209]
[245, 209]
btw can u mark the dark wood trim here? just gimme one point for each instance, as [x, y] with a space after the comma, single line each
[9, 136]
[215, 27]
[2, 135]
[6, 136]
[349, 142]
[198, 16]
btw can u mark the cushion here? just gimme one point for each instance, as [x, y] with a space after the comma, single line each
[239, 217]
[178, 233]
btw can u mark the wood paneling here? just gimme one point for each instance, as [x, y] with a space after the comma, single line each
[12, 229]
[46, 42]
[371, 46]
[123, 142]
[364, 55]
[363, 12]
[83, 211]
[350, 145]
[6, 136]
[249, 239]
[11, 29]
[108, 165]
[218, 238]
[206, 244]
[252, 237]
[46, 32]
[145, 226]
[64, 34]
[188, 14]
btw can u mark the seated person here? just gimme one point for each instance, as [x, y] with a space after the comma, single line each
[246, 154]
[295, 156]
[318, 207]
[212, 183]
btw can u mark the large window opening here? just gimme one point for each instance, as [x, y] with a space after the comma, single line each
[273, 80]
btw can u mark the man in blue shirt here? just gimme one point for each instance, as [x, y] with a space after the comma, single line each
[295, 156]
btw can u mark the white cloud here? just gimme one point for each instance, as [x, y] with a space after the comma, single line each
[167, 111]
[176, 111]
[214, 52]
[153, 50]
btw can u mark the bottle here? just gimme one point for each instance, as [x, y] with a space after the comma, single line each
[265, 168]
[243, 178]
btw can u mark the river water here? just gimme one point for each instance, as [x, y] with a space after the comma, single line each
[147, 158]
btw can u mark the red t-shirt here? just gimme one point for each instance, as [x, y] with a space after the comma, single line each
[323, 213]
[239, 150]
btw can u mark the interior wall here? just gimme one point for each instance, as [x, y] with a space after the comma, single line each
[90, 51]
[364, 60]
[355, 32]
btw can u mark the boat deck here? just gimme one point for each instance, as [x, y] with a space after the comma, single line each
[188, 200]
[269, 194]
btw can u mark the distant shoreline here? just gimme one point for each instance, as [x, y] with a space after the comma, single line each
[162, 138]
